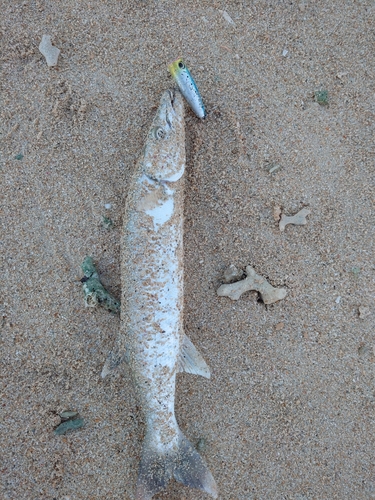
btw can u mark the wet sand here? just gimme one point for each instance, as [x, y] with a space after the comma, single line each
[289, 410]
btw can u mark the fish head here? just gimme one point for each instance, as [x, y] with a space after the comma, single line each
[164, 153]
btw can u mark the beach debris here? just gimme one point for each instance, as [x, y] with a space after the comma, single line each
[285, 53]
[201, 444]
[232, 273]
[321, 97]
[253, 281]
[363, 312]
[356, 270]
[69, 425]
[276, 213]
[107, 223]
[19, 156]
[108, 206]
[299, 219]
[273, 168]
[227, 17]
[187, 86]
[94, 291]
[68, 415]
[50, 52]
[338, 299]
[279, 326]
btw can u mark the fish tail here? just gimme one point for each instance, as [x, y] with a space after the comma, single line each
[184, 464]
[191, 470]
[155, 471]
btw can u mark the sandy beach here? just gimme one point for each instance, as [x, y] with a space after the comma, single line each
[290, 97]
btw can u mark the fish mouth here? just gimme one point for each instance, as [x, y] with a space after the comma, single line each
[172, 95]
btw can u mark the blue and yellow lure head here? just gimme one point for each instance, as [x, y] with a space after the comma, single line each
[187, 86]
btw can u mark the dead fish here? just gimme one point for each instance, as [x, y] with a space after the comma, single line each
[152, 303]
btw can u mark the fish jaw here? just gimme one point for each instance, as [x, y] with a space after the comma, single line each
[187, 86]
[164, 153]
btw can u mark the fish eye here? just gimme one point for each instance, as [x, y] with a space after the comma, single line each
[181, 65]
[159, 133]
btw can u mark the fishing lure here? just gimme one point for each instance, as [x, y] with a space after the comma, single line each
[187, 86]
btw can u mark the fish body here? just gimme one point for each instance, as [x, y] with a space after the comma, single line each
[152, 303]
[187, 86]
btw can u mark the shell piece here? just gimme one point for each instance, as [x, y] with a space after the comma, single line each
[187, 87]
[253, 281]
[299, 219]
[50, 52]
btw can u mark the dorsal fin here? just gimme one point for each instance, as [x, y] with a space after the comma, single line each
[191, 361]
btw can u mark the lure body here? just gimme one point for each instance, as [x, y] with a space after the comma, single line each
[187, 86]
[152, 303]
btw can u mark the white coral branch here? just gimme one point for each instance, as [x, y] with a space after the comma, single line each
[253, 281]
[299, 219]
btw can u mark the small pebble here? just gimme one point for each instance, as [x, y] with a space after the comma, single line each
[107, 223]
[65, 415]
[272, 169]
[69, 425]
[321, 97]
[201, 444]
[285, 52]
[338, 300]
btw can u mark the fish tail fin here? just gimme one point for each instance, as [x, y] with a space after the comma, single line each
[184, 463]
[155, 470]
[191, 470]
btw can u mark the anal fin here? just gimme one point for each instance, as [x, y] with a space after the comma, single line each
[191, 361]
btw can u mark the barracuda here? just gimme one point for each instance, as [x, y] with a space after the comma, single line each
[152, 303]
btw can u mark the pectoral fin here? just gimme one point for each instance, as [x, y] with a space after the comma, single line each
[191, 361]
[114, 359]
